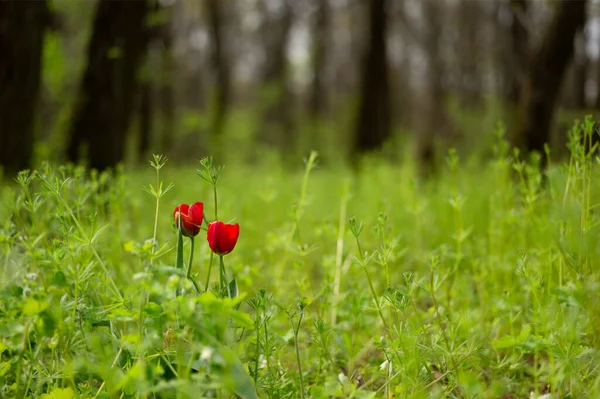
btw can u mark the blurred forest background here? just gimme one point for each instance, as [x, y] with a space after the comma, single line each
[102, 82]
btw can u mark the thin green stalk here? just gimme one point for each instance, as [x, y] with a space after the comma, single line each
[373, 292]
[206, 287]
[377, 303]
[257, 325]
[179, 255]
[439, 319]
[296, 330]
[188, 273]
[224, 282]
[339, 254]
[267, 349]
[21, 359]
[158, 185]
[111, 282]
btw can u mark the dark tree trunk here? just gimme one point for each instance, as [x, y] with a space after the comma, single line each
[166, 100]
[22, 25]
[518, 55]
[320, 39]
[109, 89]
[469, 53]
[546, 73]
[220, 66]
[436, 119]
[166, 97]
[145, 118]
[317, 98]
[373, 124]
[277, 113]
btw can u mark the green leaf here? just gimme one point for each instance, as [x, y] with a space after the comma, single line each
[233, 289]
[98, 233]
[59, 393]
[33, 307]
[505, 342]
[59, 279]
[242, 319]
[240, 382]
[170, 270]
[4, 368]
[525, 331]
[365, 394]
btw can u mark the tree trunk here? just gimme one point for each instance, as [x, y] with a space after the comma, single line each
[436, 120]
[166, 90]
[318, 103]
[545, 75]
[373, 125]
[277, 123]
[145, 118]
[109, 89]
[220, 66]
[469, 53]
[519, 51]
[320, 41]
[22, 25]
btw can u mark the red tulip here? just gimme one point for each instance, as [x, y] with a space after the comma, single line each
[222, 237]
[191, 218]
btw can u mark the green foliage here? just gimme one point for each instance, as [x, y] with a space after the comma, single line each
[480, 283]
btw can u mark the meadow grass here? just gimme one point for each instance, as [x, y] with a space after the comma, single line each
[479, 283]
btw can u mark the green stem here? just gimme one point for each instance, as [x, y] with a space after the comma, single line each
[212, 255]
[439, 319]
[159, 188]
[388, 331]
[224, 282]
[179, 255]
[375, 298]
[188, 273]
[257, 325]
[296, 330]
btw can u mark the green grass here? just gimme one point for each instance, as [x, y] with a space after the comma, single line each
[480, 283]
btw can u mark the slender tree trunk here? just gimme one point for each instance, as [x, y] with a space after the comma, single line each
[373, 124]
[277, 113]
[22, 25]
[519, 51]
[220, 66]
[436, 119]
[546, 74]
[166, 97]
[110, 87]
[469, 52]
[317, 99]
[145, 118]
[320, 39]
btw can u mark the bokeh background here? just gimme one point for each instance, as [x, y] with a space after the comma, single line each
[104, 82]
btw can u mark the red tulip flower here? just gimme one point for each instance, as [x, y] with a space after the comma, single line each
[191, 218]
[222, 237]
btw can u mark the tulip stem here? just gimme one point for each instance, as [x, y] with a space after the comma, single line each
[179, 257]
[224, 282]
[206, 287]
[188, 273]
